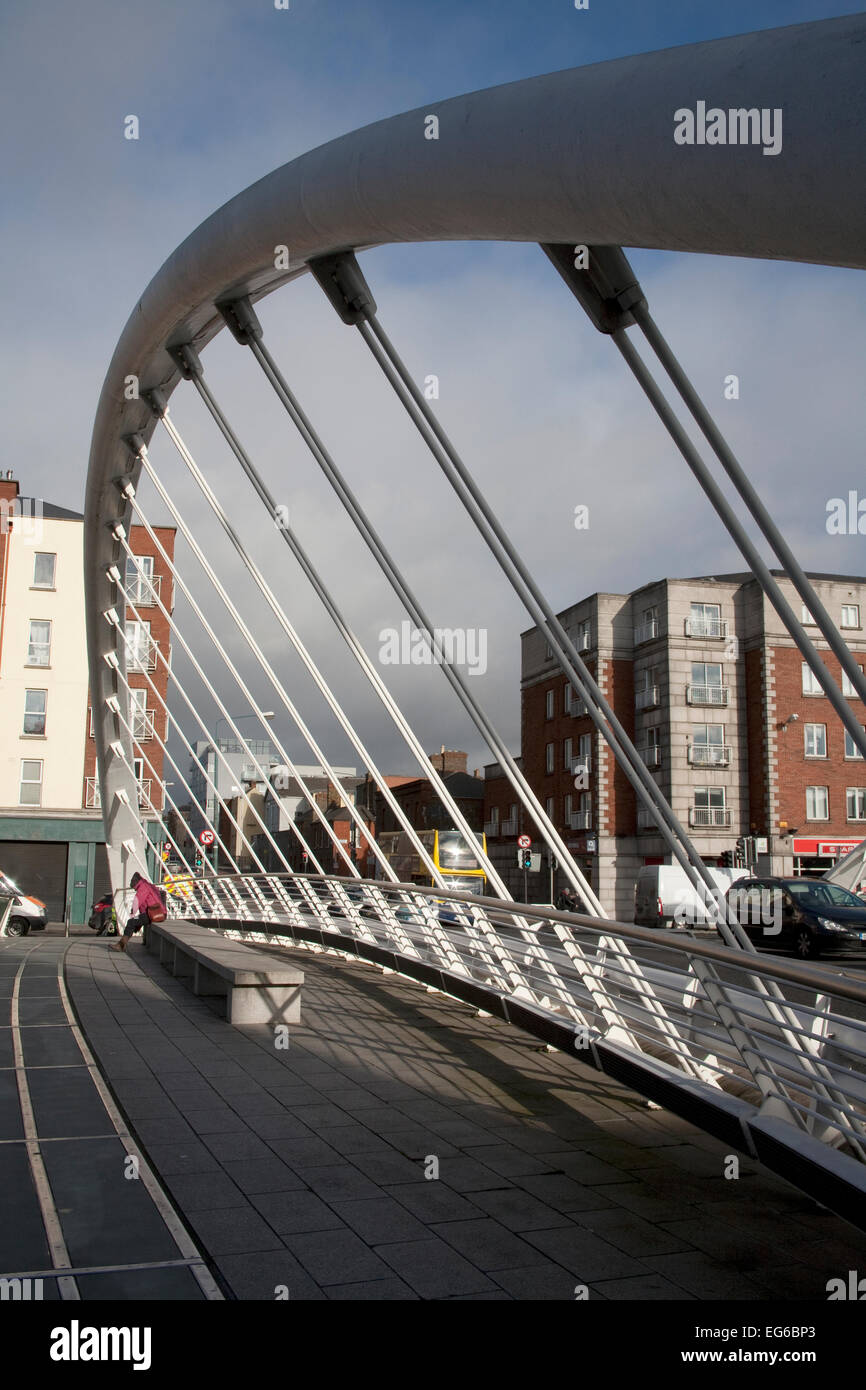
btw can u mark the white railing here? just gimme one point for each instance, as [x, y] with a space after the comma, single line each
[141, 656]
[140, 593]
[509, 827]
[143, 727]
[580, 820]
[709, 815]
[491, 827]
[651, 754]
[577, 709]
[706, 627]
[707, 694]
[714, 1025]
[645, 819]
[709, 754]
[645, 632]
[92, 798]
[646, 698]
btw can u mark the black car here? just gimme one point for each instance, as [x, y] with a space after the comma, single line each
[809, 916]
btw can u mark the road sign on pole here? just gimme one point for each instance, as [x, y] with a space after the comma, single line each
[207, 837]
[524, 841]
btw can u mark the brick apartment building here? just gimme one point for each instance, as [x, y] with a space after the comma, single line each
[51, 834]
[420, 802]
[729, 720]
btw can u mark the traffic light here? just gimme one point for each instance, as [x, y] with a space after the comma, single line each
[527, 859]
[198, 862]
[727, 859]
[741, 851]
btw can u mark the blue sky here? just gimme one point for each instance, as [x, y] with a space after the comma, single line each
[225, 91]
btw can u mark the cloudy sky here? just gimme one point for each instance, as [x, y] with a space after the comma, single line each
[539, 404]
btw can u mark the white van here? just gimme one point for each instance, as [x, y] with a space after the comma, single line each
[665, 896]
[26, 914]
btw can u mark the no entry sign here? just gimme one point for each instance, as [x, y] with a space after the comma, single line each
[206, 837]
[524, 841]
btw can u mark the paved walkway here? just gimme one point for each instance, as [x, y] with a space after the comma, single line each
[309, 1173]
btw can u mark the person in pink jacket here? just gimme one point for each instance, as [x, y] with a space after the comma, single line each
[147, 895]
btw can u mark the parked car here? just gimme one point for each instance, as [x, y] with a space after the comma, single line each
[27, 914]
[664, 894]
[806, 915]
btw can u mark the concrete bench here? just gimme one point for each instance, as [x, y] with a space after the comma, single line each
[259, 987]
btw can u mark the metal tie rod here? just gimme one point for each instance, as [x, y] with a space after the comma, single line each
[610, 294]
[343, 282]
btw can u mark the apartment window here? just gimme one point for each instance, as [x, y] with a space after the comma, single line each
[856, 799]
[549, 753]
[584, 635]
[811, 684]
[567, 754]
[138, 713]
[548, 705]
[494, 819]
[850, 615]
[139, 575]
[815, 740]
[568, 810]
[34, 711]
[847, 687]
[584, 751]
[548, 807]
[709, 735]
[512, 811]
[806, 616]
[30, 792]
[44, 566]
[710, 798]
[706, 673]
[586, 803]
[851, 749]
[567, 693]
[705, 620]
[39, 646]
[139, 652]
[817, 803]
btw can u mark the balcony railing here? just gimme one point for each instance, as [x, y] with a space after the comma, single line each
[645, 632]
[709, 755]
[509, 827]
[93, 800]
[141, 656]
[709, 815]
[651, 754]
[645, 819]
[582, 763]
[707, 694]
[646, 699]
[143, 727]
[580, 820]
[139, 591]
[583, 641]
[706, 627]
[577, 709]
[491, 827]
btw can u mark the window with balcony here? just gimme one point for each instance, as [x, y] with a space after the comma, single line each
[709, 807]
[30, 788]
[815, 740]
[851, 749]
[651, 749]
[706, 687]
[850, 615]
[583, 635]
[648, 625]
[509, 826]
[34, 711]
[817, 803]
[705, 620]
[708, 747]
[140, 718]
[138, 581]
[39, 644]
[549, 758]
[141, 649]
[44, 566]
[584, 752]
[856, 802]
[847, 687]
[646, 691]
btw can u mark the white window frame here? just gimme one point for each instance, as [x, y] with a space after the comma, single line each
[32, 646]
[550, 758]
[41, 555]
[811, 794]
[806, 617]
[822, 738]
[138, 585]
[30, 781]
[850, 608]
[847, 688]
[809, 681]
[859, 795]
[567, 754]
[35, 733]
[549, 704]
[855, 753]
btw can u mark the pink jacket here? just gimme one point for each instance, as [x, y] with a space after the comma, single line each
[146, 895]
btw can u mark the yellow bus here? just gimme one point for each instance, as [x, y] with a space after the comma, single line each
[455, 860]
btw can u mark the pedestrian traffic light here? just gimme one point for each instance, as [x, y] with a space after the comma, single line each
[527, 859]
[198, 863]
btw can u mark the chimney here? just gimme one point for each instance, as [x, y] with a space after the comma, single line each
[8, 486]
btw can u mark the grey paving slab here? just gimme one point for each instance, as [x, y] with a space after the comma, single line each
[547, 1281]
[519, 1210]
[296, 1212]
[263, 1175]
[434, 1201]
[434, 1269]
[234, 1230]
[204, 1191]
[312, 1153]
[564, 1193]
[632, 1233]
[642, 1288]
[379, 1220]
[375, 1290]
[488, 1244]
[23, 1244]
[267, 1276]
[65, 1102]
[338, 1182]
[588, 1257]
[337, 1257]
